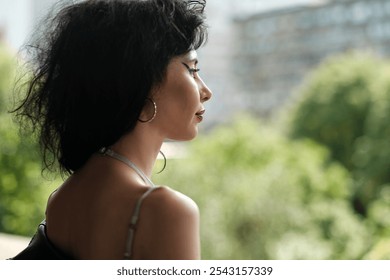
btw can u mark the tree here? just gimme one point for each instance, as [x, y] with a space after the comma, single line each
[22, 190]
[7, 71]
[332, 105]
[372, 150]
[345, 105]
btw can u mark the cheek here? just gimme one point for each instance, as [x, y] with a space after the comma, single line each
[184, 100]
[178, 99]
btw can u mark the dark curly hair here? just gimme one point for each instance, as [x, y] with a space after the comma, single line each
[95, 65]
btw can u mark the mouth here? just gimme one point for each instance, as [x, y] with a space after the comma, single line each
[199, 114]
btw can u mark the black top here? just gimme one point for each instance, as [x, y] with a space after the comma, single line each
[40, 248]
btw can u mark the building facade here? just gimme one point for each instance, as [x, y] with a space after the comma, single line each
[275, 50]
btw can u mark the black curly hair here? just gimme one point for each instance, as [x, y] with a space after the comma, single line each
[95, 65]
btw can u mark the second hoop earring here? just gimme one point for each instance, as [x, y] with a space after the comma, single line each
[154, 111]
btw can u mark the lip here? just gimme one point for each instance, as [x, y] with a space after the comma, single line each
[199, 114]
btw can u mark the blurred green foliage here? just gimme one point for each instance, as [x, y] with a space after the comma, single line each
[263, 196]
[333, 104]
[372, 150]
[345, 105]
[22, 192]
[7, 73]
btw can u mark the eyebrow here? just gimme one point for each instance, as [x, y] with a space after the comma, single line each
[191, 57]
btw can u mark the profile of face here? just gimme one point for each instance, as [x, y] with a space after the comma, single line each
[180, 99]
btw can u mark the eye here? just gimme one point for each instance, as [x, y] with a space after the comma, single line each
[191, 70]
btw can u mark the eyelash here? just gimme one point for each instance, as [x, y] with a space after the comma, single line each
[191, 70]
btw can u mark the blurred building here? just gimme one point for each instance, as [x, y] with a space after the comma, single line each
[217, 58]
[274, 50]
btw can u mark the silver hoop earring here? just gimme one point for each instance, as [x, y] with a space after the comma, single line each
[154, 112]
[165, 162]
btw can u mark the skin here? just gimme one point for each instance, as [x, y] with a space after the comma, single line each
[88, 216]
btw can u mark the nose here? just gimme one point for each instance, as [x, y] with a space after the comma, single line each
[205, 92]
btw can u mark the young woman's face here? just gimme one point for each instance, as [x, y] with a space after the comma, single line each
[180, 99]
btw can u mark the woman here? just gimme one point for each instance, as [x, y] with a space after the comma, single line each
[113, 79]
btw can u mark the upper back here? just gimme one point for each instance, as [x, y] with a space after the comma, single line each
[89, 217]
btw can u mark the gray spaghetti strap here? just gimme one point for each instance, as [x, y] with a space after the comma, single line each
[133, 224]
[111, 153]
[137, 208]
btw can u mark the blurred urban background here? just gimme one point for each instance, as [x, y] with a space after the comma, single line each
[293, 161]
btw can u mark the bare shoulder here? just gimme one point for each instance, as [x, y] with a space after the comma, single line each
[170, 225]
[167, 207]
[168, 201]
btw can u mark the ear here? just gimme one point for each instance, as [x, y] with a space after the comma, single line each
[149, 111]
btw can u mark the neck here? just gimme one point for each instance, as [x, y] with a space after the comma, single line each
[141, 147]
